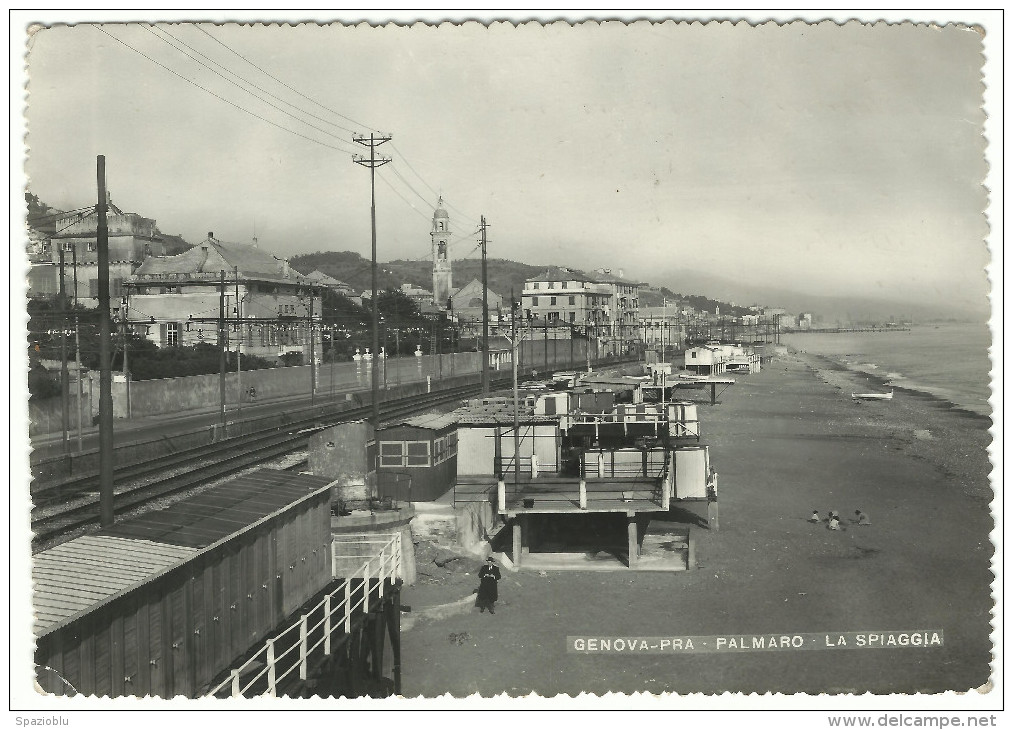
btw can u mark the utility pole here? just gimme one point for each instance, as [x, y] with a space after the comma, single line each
[105, 407]
[124, 316]
[514, 357]
[373, 162]
[64, 374]
[485, 312]
[221, 348]
[239, 345]
[80, 384]
[313, 356]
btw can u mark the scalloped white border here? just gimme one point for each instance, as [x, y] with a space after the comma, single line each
[785, 710]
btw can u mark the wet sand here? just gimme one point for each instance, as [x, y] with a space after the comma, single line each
[785, 441]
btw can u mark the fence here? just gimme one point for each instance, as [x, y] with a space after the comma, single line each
[293, 649]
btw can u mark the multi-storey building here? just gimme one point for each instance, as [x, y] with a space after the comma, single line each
[132, 238]
[568, 296]
[176, 300]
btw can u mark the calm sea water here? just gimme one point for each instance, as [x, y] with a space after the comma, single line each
[949, 361]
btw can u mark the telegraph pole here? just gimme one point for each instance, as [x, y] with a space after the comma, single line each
[373, 162]
[64, 374]
[239, 344]
[221, 348]
[105, 403]
[485, 312]
[515, 356]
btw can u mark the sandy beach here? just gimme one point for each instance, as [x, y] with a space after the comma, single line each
[784, 441]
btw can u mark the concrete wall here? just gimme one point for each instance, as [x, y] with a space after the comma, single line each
[339, 453]
[46, 416]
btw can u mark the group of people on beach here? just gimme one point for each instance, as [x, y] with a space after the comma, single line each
[834, 519]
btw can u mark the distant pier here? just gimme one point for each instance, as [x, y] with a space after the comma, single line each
[836, 330]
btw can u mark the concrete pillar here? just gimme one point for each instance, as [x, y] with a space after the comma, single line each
[501, 495]
[633, 544]
[583, 494]
[691, 550]
[517, 541]
[534, 461]
[712, 516]
[666, 489]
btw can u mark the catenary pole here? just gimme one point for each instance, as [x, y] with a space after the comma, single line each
[64, 373]
[106, 511]
[485, 312]
[222, 364]
[373, 162]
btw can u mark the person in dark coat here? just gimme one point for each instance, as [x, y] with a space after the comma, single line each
[488, 586]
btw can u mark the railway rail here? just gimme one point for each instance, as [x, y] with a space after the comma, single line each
[74, 504]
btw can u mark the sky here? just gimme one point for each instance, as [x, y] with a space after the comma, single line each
[838, 161]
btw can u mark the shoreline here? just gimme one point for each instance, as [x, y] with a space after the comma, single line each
[871, 368]
[786, 441]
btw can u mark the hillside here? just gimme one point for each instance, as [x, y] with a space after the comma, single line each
[504, 274]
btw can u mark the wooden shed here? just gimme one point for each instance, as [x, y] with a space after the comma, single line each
[162, 603]
[417, 458]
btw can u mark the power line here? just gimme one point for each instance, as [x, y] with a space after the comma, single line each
[332, 111]
[217, 96]
[259, 98]
[266, 73]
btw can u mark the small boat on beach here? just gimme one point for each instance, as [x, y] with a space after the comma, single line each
[873, 396]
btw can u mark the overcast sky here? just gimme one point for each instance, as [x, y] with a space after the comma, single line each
[837, 161]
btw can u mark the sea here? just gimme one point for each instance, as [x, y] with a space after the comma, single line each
[948, 361]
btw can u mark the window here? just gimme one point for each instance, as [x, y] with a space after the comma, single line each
[552, 301]
[392, 453]
[91, 246]
[418, 453]
[692, 355]
[171, 336]
[573, 300]
[534, 301]
[68, 246]
[552, 285]
[535, 286]
[45, 248]
[573, 315]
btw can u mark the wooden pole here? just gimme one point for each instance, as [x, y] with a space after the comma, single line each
[64, 373]
[105, 356]
[221, 349]
[485, 314]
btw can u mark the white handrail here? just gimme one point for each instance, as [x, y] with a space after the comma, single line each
[389, 559]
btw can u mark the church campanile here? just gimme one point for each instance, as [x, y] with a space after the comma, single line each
[442, 282]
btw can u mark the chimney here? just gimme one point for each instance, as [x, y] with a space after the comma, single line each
[211, 235]
[203, 258]
[284, 268]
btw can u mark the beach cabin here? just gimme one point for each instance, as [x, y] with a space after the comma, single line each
[417, 457]
[705, 360]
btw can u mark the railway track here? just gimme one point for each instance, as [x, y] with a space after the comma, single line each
[74, 504]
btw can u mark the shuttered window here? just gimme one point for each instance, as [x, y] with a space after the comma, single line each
[392, 453]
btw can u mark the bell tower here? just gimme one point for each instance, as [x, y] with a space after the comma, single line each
[440, 234]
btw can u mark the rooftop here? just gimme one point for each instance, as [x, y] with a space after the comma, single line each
[212, 257]
[77, 576]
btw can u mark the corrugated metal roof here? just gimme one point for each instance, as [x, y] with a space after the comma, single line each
[71, 578]
[431, 421]
[206, 518]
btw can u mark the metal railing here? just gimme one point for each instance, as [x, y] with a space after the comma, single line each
[341, 603]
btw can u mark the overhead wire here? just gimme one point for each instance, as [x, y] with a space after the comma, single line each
[247, 81]
[336, 113]
[240, 87]
[217, 96]
[293, 90]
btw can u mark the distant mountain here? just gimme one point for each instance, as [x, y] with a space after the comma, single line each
[827, 308]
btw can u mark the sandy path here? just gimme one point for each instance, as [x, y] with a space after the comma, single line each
[784, 443]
